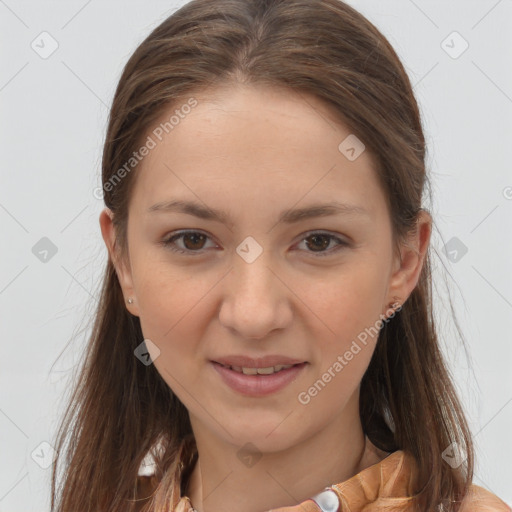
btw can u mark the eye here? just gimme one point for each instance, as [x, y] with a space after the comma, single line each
[193, 242]
[319, 241]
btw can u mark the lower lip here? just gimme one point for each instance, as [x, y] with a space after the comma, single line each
[258, 385]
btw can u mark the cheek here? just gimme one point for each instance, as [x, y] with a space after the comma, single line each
[173, 312]
[343, 354]
[348, 303]
[168, 318]
[348, 306]
[167, 293]
[165, 302]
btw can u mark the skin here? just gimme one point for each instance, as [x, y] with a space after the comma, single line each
[253, 152]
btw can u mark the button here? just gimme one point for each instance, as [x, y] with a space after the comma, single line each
[327, 500]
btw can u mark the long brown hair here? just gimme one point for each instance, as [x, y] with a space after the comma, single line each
[119, 407]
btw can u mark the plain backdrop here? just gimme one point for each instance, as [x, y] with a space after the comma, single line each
[60, 63]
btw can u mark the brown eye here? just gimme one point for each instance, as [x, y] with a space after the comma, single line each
[319, 242]
[191, 242]
[194, 240]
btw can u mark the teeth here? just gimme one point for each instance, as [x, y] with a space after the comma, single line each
[260, 371]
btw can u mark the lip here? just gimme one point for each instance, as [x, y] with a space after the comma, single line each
[256, 362]
[258, 385]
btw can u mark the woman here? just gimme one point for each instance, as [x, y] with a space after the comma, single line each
[265, 328]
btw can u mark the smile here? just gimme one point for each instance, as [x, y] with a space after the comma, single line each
[258, 382]
[259, 371]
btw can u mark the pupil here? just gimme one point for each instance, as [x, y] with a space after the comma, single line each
[316, 237]
[194, 237]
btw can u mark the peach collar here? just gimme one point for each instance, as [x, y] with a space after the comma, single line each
[387, 479]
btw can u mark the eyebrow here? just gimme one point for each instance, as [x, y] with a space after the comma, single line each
[287, 216]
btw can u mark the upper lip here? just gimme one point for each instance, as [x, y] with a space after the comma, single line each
[257, 362]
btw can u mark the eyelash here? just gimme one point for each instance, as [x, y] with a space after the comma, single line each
[169, 243]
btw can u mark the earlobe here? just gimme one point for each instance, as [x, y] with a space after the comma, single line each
[412, 257]
[123, 272]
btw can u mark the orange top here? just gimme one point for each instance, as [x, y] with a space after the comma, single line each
[385, 485]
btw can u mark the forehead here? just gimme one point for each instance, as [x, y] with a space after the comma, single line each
[254, 143]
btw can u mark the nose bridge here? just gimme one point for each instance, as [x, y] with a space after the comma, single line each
[252, 266]
[255, 301]
[254, 281]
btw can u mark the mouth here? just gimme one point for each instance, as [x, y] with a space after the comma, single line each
[258, 382]
[259, 371]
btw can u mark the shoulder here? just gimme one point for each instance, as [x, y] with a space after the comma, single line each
[479, 499]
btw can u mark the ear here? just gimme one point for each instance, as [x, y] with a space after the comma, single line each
[409, 262]
[122, 267]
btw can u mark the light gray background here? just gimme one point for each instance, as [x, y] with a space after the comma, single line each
[53, 118]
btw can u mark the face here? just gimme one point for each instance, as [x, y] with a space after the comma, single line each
[298, 262]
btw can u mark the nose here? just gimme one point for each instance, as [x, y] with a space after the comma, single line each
[256, 300]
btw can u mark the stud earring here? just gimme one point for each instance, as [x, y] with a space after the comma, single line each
[396, 304]
[394, 307]
[130, 301]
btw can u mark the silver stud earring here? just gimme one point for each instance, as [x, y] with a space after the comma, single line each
[130, 301]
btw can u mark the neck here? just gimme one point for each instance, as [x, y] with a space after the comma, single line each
[219, 481]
